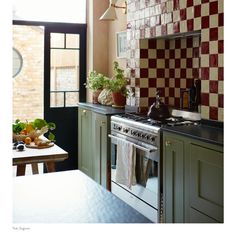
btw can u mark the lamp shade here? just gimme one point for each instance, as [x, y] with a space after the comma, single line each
[110, 13]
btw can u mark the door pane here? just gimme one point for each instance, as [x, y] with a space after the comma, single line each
[64, 77]
[57, 40]
[72, 41]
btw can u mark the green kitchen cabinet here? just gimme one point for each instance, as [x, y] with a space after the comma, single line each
[100, 130]
[173, 179]
[206, 180]
[93, 145]
[192, 180]
[84, 141]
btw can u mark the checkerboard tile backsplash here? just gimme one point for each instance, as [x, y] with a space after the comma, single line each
[169, 65]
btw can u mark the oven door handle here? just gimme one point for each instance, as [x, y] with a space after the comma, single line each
[135, 145]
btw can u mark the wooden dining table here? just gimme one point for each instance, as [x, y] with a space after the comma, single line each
[33, 156]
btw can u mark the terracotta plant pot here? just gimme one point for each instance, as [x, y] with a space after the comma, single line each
[118, 99]
[95, 95]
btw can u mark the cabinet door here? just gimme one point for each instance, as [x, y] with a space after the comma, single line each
[99, 138]
[198, 217]
[206, 181]
[84, 142]
[173, 179]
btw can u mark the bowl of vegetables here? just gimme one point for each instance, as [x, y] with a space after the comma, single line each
[24, 130]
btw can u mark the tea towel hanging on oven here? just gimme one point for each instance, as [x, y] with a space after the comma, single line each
[126, 160]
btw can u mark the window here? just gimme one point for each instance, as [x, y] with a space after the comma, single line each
[17, 62]
[69, 11]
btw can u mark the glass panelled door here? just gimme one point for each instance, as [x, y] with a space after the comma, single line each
[65, 76]
[64, 70]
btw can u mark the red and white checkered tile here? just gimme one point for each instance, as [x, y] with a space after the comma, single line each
[171, 65]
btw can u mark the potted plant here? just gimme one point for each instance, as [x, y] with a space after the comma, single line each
[96, 83]
[117, 85]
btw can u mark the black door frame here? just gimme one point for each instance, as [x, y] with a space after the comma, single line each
[72, 28]
[64, 138]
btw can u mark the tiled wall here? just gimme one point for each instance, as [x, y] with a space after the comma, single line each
[168, 65]
[156, 18]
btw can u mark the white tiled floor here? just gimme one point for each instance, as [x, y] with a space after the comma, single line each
[28, 170]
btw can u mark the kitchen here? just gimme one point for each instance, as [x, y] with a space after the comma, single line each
[169, 43]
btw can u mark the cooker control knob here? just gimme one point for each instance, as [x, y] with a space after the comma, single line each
[133, 132]
[143, 135]
[147, 137]
[125, 130]
[139, 134]
[152, 138]
[119, 128]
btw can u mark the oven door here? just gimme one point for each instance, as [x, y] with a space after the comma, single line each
[147, 176]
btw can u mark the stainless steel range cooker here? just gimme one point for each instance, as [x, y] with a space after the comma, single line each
[144, 134]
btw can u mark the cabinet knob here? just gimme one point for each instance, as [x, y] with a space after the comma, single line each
[103, 122]
[168, 143]
[84, 111]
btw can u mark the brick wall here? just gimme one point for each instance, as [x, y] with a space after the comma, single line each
[148, 19]
[28, 84]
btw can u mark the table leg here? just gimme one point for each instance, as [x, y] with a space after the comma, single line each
[20, 169]
[50, 166]
[34, 168]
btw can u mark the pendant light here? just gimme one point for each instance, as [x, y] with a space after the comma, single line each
[110, 13]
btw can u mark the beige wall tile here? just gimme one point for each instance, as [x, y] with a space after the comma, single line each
[197, 23]
[152, 54]
[144, 82]
[160, 82]
[143, 102]
[160, 44]
[152, 73]
[213, 75]
[190, 12]
[213, 47]
[220, 33]
[204, 60]
[205, 112]
[214, 21]
[183, 83]
[205, 9]
[176, 16]
[220, 87]
[205, 35]
[183, 4]
[205, 86]
[152, 92]
[177, 92]
[144, 43]
[221, 114]
[213, 99]
[143, 63]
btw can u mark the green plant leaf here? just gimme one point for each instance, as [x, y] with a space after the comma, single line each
[51, 125]
[39, 123]
[51, 136]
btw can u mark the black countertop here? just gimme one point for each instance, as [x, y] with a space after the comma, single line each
[101, 109]
[203, 132]
[207, 131]
[68, 197]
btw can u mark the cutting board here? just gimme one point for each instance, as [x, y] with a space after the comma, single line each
[33, 145]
